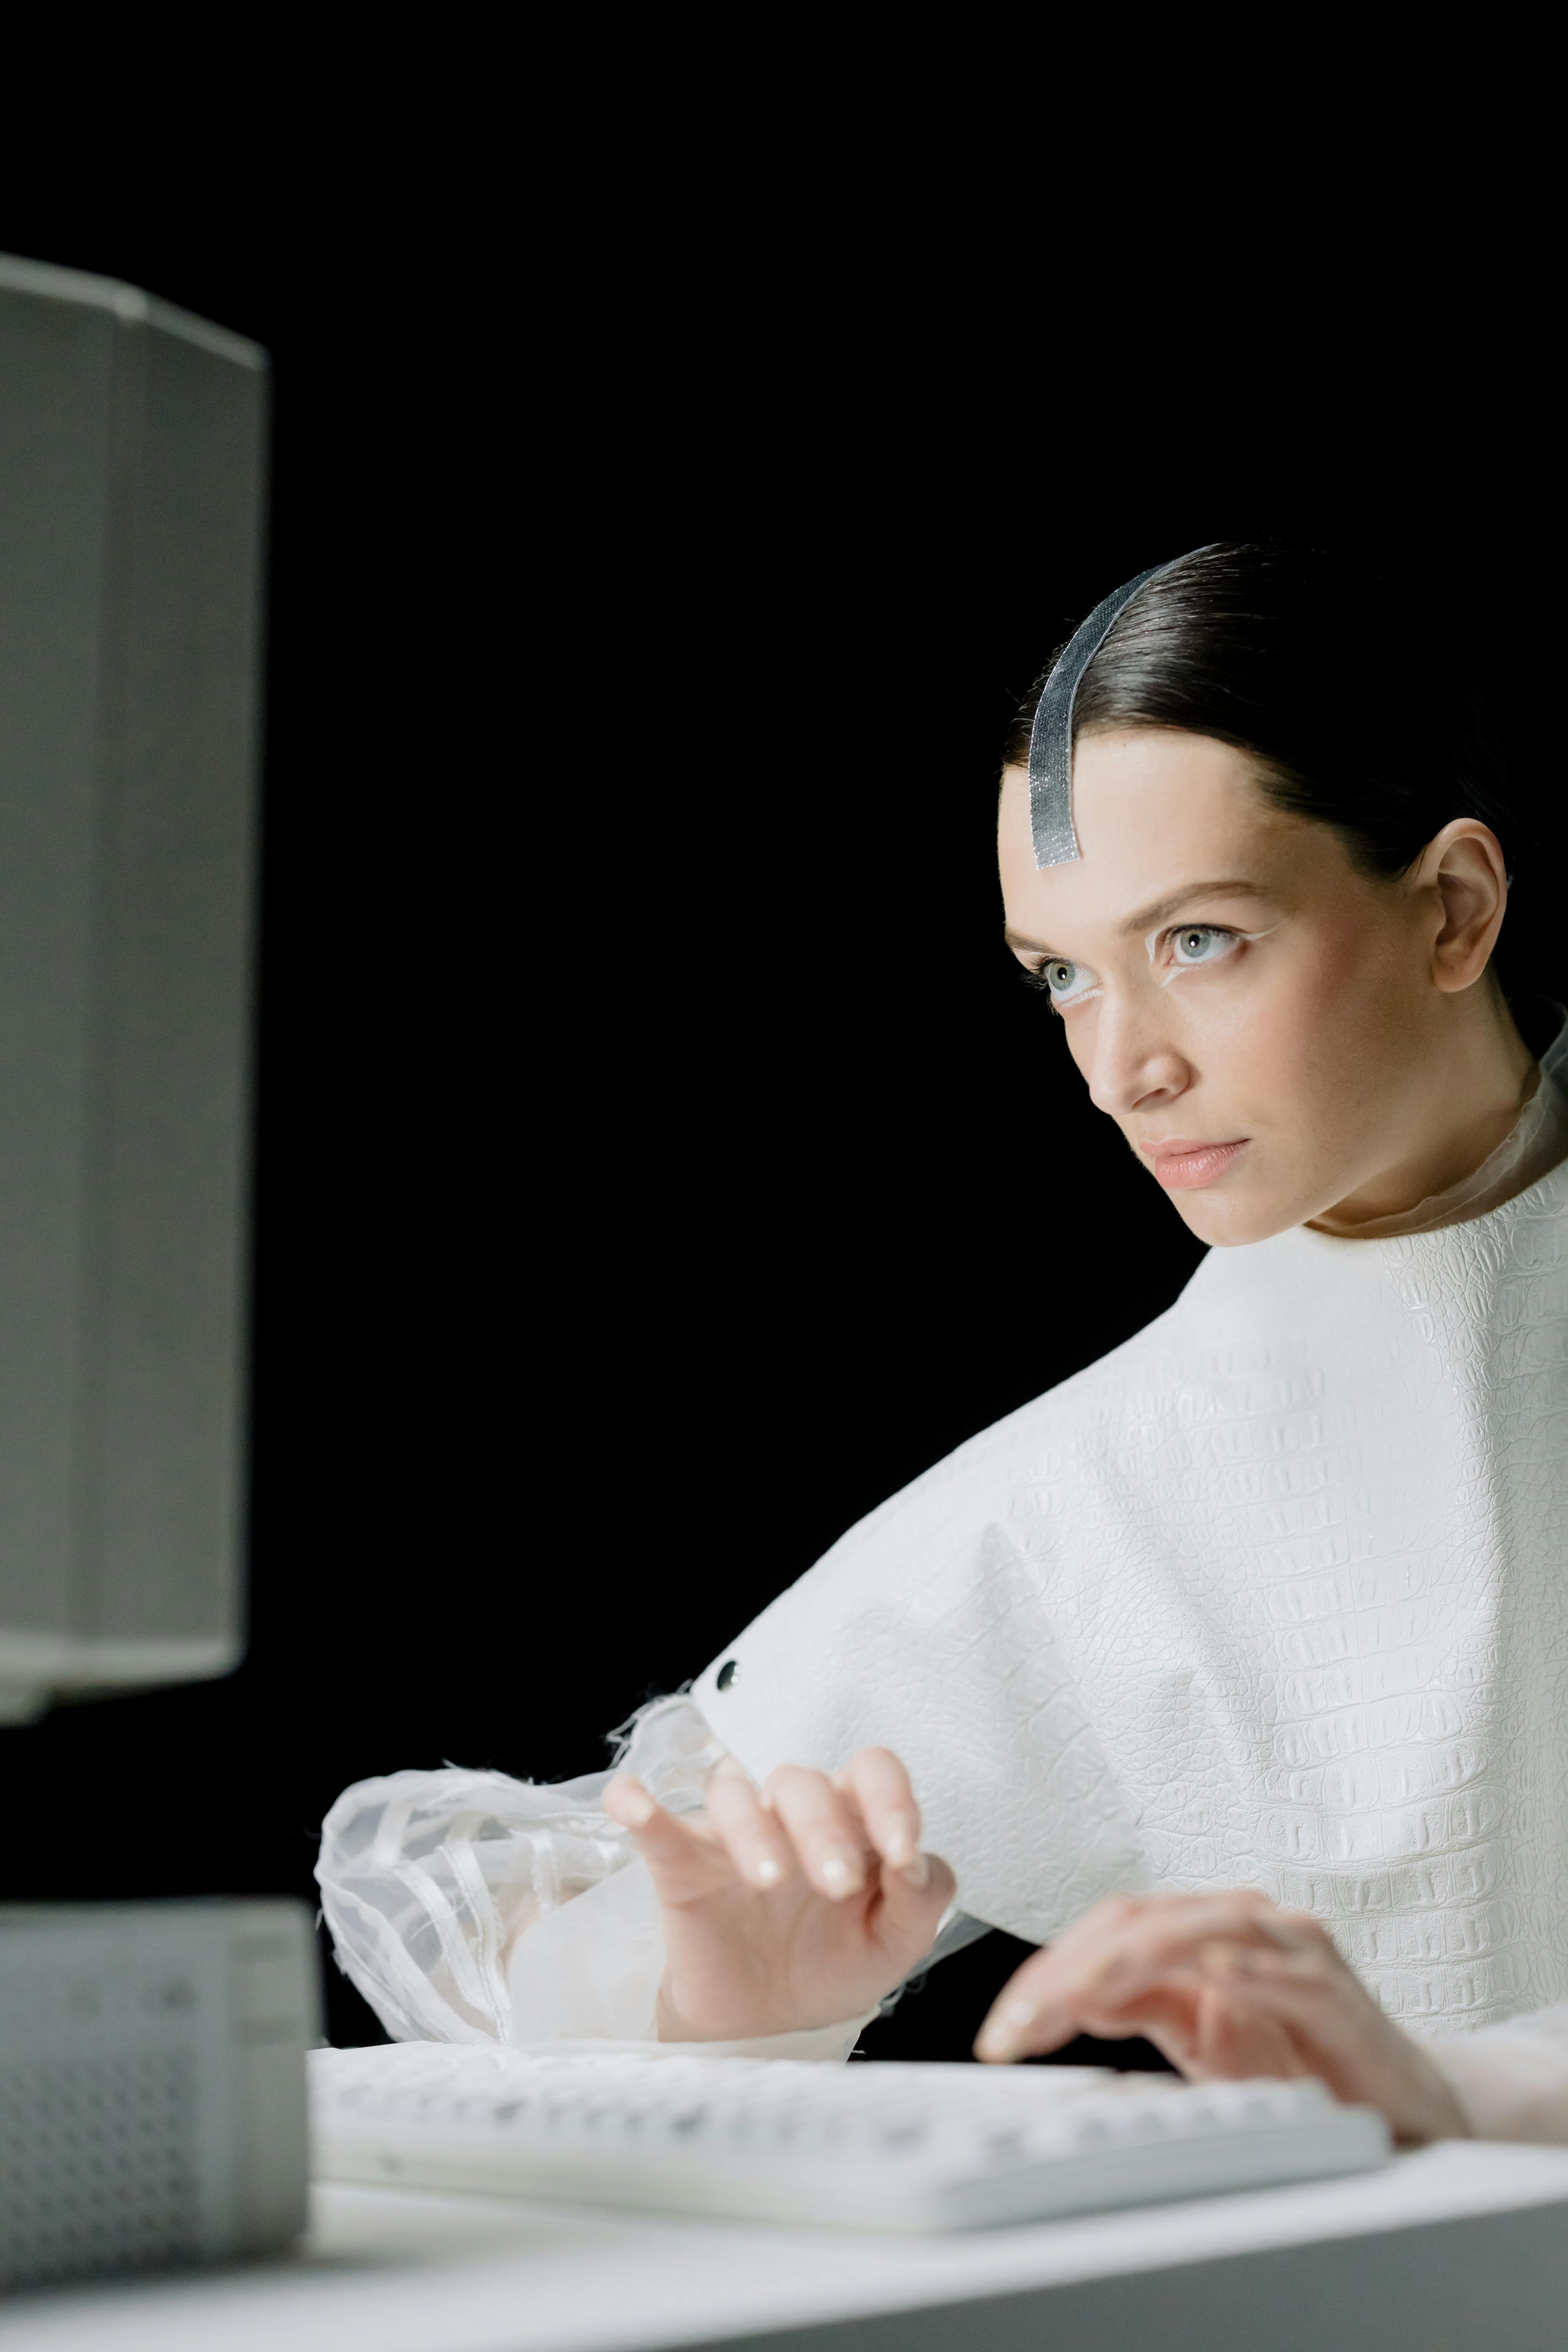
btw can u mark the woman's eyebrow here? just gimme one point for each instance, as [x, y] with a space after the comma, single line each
[1138, 926]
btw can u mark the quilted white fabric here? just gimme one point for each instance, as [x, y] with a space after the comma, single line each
[1275, 1595]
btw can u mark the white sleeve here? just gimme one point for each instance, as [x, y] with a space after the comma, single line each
[1511, 2080]
[468, 1907]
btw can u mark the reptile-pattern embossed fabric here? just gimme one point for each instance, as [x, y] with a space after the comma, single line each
[1275, 1595]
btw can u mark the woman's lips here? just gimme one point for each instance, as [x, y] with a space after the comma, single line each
[1183, 1167]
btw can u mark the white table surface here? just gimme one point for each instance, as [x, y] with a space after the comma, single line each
[399, 2271]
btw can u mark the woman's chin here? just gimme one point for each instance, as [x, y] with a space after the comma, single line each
[1228, 1215]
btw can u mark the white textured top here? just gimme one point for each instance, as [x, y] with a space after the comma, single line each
[1275, 1595]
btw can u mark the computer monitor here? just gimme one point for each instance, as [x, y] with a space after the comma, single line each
[132, 477]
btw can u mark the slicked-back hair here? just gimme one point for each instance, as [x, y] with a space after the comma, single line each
[1347, 694]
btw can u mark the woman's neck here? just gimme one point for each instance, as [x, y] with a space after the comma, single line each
[1477, 1085]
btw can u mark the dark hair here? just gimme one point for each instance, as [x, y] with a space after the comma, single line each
[1352, 714]
[1345, 690]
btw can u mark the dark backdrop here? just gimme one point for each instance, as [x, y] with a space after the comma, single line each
[658, 1160]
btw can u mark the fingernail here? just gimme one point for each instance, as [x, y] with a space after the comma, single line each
[999, 2036]
[638, 1809]
[918, 1875]
[900, 1841]
[839, 1875]
[768, 1871]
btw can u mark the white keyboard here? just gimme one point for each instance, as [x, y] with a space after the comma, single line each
[866, 2145]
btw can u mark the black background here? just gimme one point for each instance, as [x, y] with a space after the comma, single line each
[658, 1160]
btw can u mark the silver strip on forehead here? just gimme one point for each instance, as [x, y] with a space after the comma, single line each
[1051, 738]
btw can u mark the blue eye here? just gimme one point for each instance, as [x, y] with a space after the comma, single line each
[1201, 943]
[1068, 982]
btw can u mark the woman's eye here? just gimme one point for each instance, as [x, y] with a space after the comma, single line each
[1201, 943]
[1067, 982]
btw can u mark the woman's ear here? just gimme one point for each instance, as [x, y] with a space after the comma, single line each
[1464, 868]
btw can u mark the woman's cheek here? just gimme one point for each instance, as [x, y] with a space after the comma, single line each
[1285, 1027]
[1081, 1028]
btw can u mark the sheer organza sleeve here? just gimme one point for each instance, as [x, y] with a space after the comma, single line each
[460, 1903]
[468, 1907]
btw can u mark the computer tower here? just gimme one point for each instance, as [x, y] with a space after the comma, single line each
[151, 2083]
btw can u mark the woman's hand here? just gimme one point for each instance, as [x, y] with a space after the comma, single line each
[799, 1906]
[1227, 1985]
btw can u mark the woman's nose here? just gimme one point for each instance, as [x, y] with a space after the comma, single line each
[1133, 1061]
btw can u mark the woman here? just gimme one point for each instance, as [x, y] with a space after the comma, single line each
[1235, 1670]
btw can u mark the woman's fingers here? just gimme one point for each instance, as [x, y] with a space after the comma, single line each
[877, 1785]
[1344, 2038]
[825, 1829]
[913, 1901]
[1107, 1962]
[833, 1833]
[683, 1864]
[752, 1836]
[628, 1804]
[1313, 1992]
[1232, 2041]
[1228, 1985]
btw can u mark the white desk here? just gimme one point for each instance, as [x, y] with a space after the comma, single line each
[1458, 2249]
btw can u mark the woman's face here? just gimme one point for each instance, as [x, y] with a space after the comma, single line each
[1272, 1030]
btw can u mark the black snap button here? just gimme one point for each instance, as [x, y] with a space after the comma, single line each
[727, 1672]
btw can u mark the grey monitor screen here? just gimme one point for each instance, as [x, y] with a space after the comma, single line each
[132, 461]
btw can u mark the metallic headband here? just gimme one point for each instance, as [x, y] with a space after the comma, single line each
[1051, 738]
